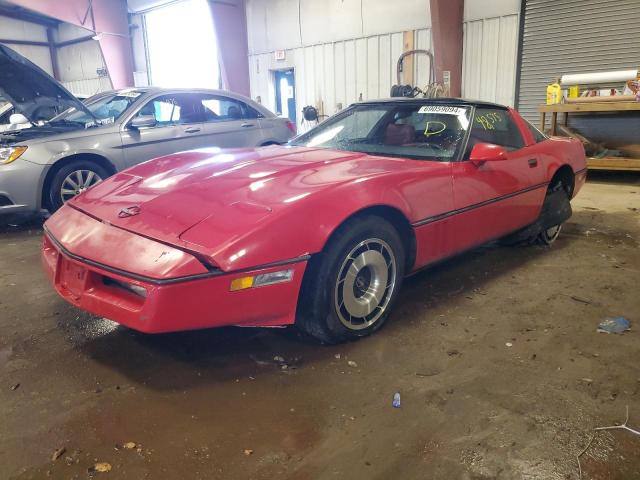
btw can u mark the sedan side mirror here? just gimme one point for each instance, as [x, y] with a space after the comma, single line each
[18, 119]
[487, 152]
[143, 121]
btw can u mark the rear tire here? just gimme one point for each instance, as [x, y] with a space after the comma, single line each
[349, 289]
[547, 236]
[72, 179]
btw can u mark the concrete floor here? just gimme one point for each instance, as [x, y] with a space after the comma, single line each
[215, 405]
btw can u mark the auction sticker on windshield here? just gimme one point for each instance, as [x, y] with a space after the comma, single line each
[441, 109]
[129, 94]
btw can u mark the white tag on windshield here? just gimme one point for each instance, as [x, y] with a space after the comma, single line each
[446, 109]
[129, 93]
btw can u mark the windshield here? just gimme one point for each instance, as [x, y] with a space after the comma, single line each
[106, 109]
[415, 130]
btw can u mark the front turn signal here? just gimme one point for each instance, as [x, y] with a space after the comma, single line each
[10, 154]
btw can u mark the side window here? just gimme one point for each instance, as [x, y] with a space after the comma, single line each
[174, 109]
[251, 112]
[492, 125]
[538, 136]
[223, 109]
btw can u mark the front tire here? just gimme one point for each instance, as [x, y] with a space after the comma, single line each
[349, 289]
[73, 179]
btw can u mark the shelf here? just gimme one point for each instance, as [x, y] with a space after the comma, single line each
[613, 163]
[590, 107]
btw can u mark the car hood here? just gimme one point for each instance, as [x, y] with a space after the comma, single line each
[203, 200]
[31, 90]
[20, 136]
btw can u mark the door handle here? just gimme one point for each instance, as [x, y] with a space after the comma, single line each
[246, 125]
[532, 162]
[191, 130]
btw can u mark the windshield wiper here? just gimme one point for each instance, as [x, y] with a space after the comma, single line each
[70, 122]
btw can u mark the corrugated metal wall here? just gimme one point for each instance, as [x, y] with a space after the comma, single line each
[575, 36]
[341, 72]
[490, 59]
[13, 29]
[79, 63]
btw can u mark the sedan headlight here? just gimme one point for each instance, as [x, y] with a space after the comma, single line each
[9, 154]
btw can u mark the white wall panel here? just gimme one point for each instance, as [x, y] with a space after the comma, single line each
[422, 63]
[361, 69]
[329, 20]
[373, 67]
[490, 59]
[288, 24]
[350, 68]
[480, 9]
[338, 72]
[79, 64]
[88, 87]
[38, 55]
[67, 31]
[384, 16]
[340, 79]
[385, 76]
[17, 30]
[397, 47]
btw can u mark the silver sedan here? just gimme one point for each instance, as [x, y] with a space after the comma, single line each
[44, 166]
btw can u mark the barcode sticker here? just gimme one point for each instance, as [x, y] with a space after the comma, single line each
[446, 109]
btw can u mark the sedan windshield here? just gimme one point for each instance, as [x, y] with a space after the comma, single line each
[105, 108]
[413, 130]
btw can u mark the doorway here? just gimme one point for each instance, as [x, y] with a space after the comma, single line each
[181, 45]
[286, 93]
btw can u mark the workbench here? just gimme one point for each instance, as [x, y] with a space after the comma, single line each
[605, 163]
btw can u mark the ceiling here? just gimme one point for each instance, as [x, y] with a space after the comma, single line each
[136, 6]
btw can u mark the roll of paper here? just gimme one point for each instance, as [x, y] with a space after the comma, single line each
[618, 76]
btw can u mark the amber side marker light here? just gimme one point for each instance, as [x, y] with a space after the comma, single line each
[262, 280]
[9, 154]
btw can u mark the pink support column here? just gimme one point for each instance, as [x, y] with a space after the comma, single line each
[446, 21]
[111, 19]
[230, 24]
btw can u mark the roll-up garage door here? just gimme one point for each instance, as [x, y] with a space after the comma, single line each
[574, 36]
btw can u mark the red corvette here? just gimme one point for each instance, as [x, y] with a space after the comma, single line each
[319, 233]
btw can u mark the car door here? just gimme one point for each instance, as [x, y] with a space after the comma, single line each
[178, 128]
[496, 197]
[230, 123]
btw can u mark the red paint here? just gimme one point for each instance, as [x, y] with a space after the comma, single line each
[111, 16]
[487, 152]
[182, 306]
[239, 210]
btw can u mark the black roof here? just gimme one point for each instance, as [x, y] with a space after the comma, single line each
[439, 100]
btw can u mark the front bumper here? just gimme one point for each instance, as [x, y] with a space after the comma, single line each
[170, 306]
[20, 187]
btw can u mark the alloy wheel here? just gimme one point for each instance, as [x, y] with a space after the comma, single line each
[365, 284]
[77, 182]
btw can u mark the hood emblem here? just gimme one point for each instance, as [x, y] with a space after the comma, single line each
[129, 212]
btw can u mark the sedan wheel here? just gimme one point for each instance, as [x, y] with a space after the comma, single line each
[364, 285]
[72, 179]
[77, 182]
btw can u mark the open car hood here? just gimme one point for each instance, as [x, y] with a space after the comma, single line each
[31, 90]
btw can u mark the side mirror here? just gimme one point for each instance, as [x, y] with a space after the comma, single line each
[143, 121]
[18, 119]
[487, 152]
